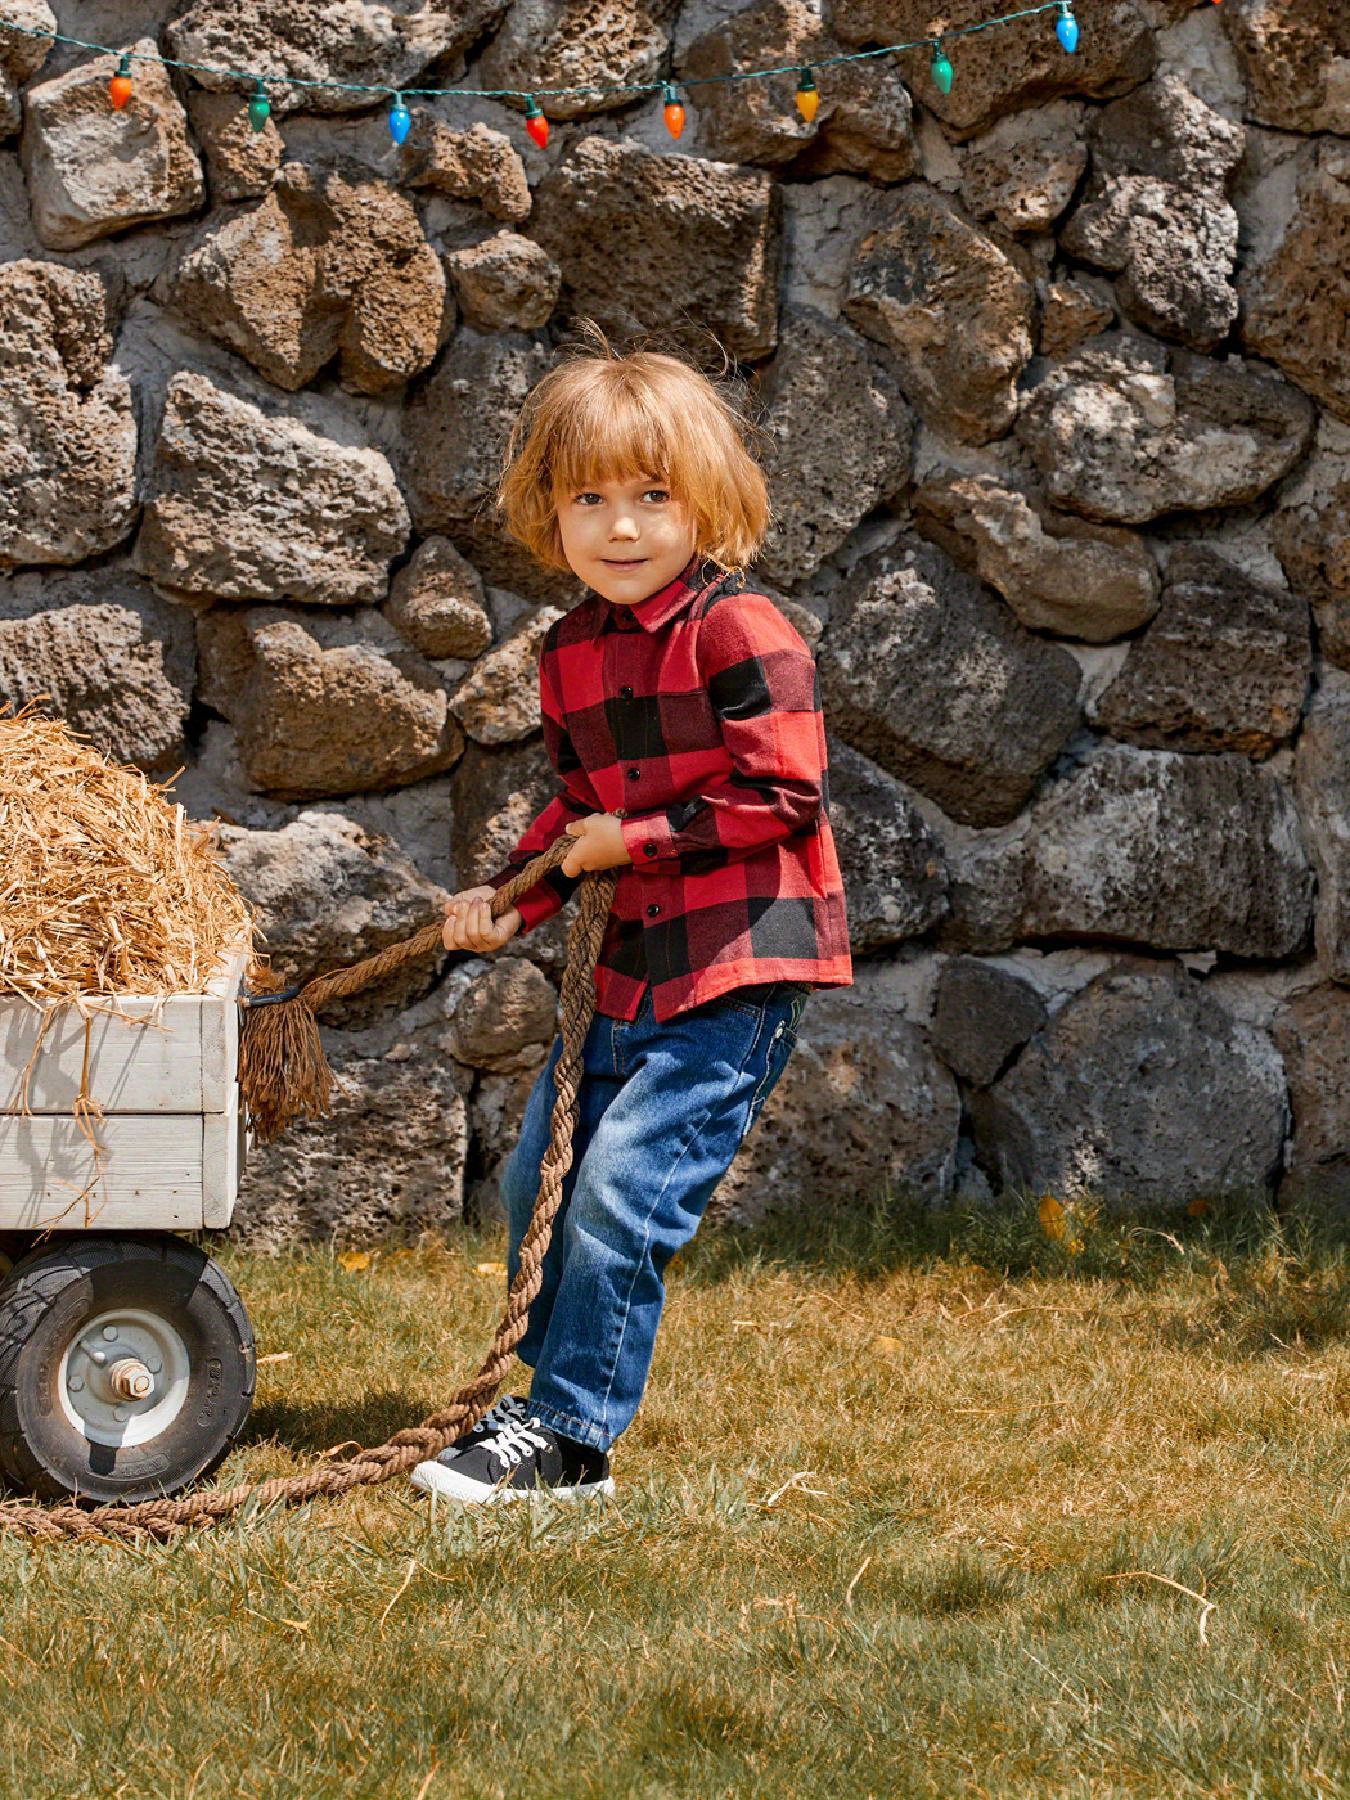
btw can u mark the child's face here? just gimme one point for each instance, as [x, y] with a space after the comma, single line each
[626, 539]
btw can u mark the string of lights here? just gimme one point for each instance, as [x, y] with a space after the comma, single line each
[259, 106]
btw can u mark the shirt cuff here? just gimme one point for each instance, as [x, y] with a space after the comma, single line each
[649, 840]
[535, 905]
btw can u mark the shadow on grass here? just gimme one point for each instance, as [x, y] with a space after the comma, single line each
[1302, 1256]
[363, 1420]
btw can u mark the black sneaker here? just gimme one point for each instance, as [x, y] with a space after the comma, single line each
[521, 1458]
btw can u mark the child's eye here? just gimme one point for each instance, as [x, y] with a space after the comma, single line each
[664, 493]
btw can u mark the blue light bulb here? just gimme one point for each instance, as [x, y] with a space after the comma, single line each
[400, 120]
[1066, 27]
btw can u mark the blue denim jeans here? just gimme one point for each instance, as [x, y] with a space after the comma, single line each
[663, 1109]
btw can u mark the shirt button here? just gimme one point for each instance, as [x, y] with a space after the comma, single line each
[653, 910]
[625, 693]
[649, 849]
[634, 774]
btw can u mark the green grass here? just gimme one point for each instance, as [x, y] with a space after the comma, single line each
[916, 1505]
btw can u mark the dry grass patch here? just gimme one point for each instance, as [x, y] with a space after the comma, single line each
[915, 1506]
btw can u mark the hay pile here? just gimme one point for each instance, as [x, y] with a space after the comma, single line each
[105, 886]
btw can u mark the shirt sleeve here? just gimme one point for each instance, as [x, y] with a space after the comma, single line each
[574, 800]
[762, 681]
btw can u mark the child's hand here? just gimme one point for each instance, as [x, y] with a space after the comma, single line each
[599, 844]
[469, 925]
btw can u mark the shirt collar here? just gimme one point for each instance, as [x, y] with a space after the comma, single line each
[662, 606]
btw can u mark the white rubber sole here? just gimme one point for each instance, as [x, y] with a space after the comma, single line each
[444, 1483]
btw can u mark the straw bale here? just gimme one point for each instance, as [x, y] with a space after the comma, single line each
[106, 887]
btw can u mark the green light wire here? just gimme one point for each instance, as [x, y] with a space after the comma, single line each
[635, 87]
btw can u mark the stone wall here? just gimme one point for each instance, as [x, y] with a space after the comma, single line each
[1054, 376]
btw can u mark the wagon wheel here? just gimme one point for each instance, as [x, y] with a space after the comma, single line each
[126, 1368]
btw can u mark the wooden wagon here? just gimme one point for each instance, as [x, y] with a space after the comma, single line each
[126, 1356]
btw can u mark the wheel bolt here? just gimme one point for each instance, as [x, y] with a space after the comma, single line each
[75, 1383]
[110, 1332]
[153, 1364]
[130, 1379]
[119, 1413]
[99, 1357]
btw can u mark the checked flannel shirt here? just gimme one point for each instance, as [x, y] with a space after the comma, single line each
[695, 717]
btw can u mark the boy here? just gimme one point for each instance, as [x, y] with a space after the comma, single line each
[681, 713]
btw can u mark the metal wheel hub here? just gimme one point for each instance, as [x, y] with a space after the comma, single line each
[124, 1377]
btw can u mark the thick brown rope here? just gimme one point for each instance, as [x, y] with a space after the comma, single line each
[165, 1519]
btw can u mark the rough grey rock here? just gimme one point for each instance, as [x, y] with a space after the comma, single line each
[1022, 174]
[1225, 665]
[495, 1112]
[573, 43]
[495, 795]
[1296, 298]
[21, 56]
[327, 894]
[1114, 433]
[244, 505]
[92, 170]
[390, 1160]
[1295, 60]
[1071, 313]
[119, 672]
[1323, 787]
[308, 40]
[436, 601]
[1313, 1034]
[456, 425]
[498, 701]
[1310, 533]
[1142, 1091]
[933, 680]
[1168, 851]
[330, 263]
[322, 704]
[240, 162]
[838, 441]
[68, 449]
[1006, 71]
[505, 283]
[985, 881]
[505, 1019]
[895, 880]
[864, 118]
[951, 307]
[668, 244]
[1059, 574]
[864, 1108]
[1156, 211]
[479, 164]
[982, 1016]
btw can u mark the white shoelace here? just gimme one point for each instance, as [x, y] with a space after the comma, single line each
[515, 1441]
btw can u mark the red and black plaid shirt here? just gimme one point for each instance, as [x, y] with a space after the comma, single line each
[695, 717]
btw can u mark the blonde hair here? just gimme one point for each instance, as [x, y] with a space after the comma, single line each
[602, 416]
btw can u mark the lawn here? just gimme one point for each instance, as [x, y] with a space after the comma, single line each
[958, 1505]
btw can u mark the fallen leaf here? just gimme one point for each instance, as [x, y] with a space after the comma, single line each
[1051, 1216]
[352, 1260]
[275, 1357]
[888, 1346]
[1197, 1208]
[489, 1268]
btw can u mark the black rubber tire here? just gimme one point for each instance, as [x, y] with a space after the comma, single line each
[45, 1301]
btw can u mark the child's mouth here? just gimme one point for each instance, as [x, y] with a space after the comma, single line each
[623, 562]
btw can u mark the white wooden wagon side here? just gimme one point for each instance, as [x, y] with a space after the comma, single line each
[126, 1357]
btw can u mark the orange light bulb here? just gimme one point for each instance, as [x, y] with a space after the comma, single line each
[119, 88]
[674, 112]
